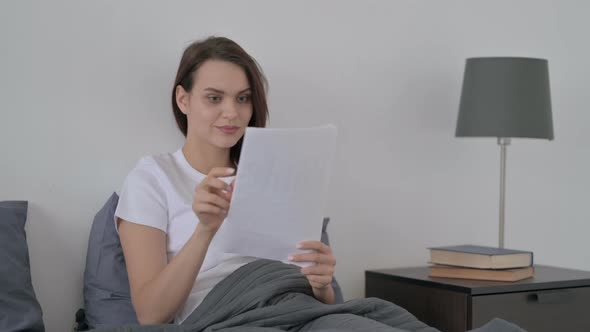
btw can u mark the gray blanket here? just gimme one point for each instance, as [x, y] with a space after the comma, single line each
[269, 296]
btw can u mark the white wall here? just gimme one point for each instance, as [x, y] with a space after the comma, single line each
[85, 92]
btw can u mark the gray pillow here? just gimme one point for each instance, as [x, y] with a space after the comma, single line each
[19, 309]
[107, 298]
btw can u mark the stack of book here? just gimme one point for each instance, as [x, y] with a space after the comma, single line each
[481, 263]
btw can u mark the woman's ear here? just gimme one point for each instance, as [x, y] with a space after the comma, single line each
[182, 97]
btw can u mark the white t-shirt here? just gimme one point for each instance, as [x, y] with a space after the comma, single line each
[158, 193]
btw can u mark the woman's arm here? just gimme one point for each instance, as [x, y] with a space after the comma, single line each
[158, 287]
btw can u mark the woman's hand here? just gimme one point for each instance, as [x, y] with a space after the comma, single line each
[211, 199]
[321, 274]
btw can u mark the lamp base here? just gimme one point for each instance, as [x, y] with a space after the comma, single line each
[503, 142]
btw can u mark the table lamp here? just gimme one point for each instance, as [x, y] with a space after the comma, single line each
[505, 97]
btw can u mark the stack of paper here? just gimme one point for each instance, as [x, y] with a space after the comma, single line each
[280, 190]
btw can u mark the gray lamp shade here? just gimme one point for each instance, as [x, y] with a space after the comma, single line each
[505, 97]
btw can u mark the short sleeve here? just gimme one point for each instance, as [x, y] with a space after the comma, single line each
[142, 199]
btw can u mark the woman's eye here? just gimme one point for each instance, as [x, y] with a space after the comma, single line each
[244, 99]
[214, 99]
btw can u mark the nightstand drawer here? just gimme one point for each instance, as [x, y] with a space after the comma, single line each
[538, 311]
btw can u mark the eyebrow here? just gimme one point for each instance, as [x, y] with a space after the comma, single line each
[221, 92]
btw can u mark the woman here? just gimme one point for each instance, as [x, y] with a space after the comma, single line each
[171, 205]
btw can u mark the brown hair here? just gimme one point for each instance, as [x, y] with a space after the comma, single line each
[225, 49]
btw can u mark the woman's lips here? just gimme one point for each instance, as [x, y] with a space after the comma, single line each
[228, 129]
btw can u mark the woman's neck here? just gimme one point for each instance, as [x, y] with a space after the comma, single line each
[204, 157]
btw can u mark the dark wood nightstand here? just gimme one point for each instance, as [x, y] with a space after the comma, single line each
[555, 299]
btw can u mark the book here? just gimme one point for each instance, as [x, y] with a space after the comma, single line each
[509, 275]
[481, 257]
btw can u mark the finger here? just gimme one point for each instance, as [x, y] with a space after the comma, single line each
[315, 245]
[209, 209]
[322, 269]
[232, 185]
[314, 257]
[213, 199]
[201, 194]
[319, 281]
[211, 184]
[227, 195]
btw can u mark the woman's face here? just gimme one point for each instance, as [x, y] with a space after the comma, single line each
[218, 107]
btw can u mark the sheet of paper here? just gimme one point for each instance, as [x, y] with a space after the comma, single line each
[280, 190]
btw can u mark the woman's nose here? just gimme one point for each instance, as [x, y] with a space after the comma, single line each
[230, 110]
